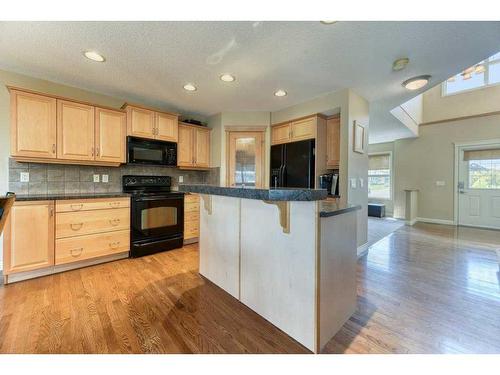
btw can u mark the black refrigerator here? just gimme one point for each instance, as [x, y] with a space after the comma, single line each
[292, 165]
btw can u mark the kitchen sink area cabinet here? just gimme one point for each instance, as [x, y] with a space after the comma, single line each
[193, 149]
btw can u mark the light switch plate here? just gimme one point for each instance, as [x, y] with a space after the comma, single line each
[440, 183]
[105, 178]
[361, 182]
[353, 183]
[181, 178]
[96, 178]
[25, 177]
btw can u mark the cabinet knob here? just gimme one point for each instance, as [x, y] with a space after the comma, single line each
[114, 245]
[76, 252]
[114, 222]
[76, 226]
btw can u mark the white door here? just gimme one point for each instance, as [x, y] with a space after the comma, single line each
[479, 187]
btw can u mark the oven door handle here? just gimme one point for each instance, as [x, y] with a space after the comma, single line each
[153, 242]
[159, 198]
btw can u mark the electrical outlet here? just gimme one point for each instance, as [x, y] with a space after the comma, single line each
[96, 178]
[25, 177]
[440, 183]
[181, 179]
[105, 178]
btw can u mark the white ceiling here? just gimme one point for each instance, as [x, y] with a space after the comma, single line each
[151, 61]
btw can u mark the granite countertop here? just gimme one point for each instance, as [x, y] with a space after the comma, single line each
[328, 209]
[273, 194]
[51, 197]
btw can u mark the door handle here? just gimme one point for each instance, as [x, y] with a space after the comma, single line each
[76, 226]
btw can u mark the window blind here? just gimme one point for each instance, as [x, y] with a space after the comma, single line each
[490, 154]
[379, 162]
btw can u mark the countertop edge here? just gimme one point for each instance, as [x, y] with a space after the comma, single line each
[54, 197]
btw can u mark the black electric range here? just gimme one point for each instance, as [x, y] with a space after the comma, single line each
[156, 214]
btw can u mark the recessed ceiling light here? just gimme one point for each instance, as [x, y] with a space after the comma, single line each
[400, 64]
[416, 83]
[327, 22]
[189, 87]
[94, 56]
[227, 78]
[280, 93]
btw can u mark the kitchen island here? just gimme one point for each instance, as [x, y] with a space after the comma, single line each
[285, 253]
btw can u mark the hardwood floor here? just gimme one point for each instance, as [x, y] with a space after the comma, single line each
[422, 289]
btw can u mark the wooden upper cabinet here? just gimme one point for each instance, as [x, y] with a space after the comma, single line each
[280, 134]
[29, 237]
[110, 135]
[33, 129]
[75, 131]
[202, 156]
[303, 129]
[333, 142]
[185, 146]
[140, 122]
[193, 148]
[166, 128]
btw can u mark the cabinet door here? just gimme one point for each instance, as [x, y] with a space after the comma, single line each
[303, 129]
[110, 135]
[75, 131]
[280, 134]
[333, 142]
[29, 237]
[202, 139]
[166, 127]
[33, 125]
[185, 154]
[140, 122]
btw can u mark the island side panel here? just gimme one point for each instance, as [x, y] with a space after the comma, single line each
[278, 270]
[219, 241]
[337, 276]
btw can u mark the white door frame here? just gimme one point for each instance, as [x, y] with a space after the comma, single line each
[487, 142]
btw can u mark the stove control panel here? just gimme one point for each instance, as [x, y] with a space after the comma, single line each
[146, 181]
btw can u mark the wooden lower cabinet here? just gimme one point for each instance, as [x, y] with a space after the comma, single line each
[191, 217]
[74, 249]
[42, 234]
[29, 237]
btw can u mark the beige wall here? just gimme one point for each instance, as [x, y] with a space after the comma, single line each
[438, 107]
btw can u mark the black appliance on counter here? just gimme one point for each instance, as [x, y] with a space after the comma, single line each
[292, 164]
[156, 215]
[151, 152]
[330, 182]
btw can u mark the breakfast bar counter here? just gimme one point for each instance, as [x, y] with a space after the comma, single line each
[286, 253]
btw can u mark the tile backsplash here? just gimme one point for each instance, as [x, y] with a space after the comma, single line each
[66, 179]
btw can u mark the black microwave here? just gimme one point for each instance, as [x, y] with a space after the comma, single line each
[151, 152]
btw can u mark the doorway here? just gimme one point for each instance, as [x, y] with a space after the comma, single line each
[478, 185]
[245, 159]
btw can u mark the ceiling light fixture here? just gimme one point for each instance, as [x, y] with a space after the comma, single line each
[227, 77]
[327, 22]
[400, 64]
[189, 87]
[416, 83]
[94, 56]
[280, 93]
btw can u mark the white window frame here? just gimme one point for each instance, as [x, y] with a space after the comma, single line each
[486, 64]
[391, 175]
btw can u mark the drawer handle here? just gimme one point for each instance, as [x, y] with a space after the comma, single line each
[76, 207]
[76, 226]
[114, 245]
[114, 204]
[114, 222]
[75, 253]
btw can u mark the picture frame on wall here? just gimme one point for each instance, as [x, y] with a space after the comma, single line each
[359, 138]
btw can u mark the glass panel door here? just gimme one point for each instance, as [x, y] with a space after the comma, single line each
[245, 159]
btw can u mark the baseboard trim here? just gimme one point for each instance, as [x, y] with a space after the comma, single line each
[362, 250]
[435, 221]
[410, 222]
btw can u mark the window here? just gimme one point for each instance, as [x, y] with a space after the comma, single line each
[379, 176]
[485, 73]
[483, 168]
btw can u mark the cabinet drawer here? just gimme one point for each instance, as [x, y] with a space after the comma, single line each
[74, 205]
[191, 230]
[191, 207]
[74, 249]
[191, 198]
[191, 217]
[69, 224]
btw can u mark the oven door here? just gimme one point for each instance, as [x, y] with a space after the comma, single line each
[157, 216]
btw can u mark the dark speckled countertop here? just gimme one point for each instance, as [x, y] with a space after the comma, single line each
[329, 208]
[273, 194]
[51, 197]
